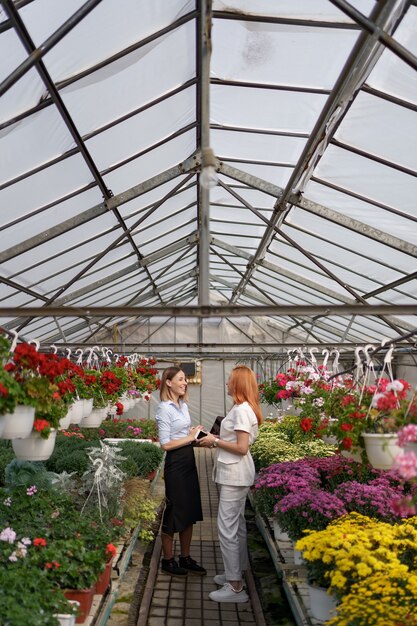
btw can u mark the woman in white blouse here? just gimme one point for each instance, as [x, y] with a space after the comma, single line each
[234, 471]
[182, 488]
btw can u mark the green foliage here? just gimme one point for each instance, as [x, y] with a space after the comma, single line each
[27, 473]
[146, 456]
[27, 597]
[274, 445]
[6, 455]
[138, 508]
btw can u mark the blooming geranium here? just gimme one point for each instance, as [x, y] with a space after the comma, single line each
[273, 391]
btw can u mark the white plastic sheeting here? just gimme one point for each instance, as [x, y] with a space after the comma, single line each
[115, 104]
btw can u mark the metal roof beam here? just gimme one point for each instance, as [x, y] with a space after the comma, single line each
[213, 311]
[362, 59]
[355, 225]
[47, 45]
[203, 48]
[100, 209]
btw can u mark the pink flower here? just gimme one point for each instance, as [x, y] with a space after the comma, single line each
[408, 434]
[406, 464]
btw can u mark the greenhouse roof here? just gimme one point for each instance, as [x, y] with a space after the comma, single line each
[116, 118]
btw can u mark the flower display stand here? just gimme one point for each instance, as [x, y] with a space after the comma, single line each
[17, 424]
[292, 574]
[381, 449]
[34, 447]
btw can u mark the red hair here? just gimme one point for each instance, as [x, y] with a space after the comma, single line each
[245, 388]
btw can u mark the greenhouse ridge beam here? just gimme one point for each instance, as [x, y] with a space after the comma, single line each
[212, 311]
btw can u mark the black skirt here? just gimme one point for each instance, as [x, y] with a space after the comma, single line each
[182, 491]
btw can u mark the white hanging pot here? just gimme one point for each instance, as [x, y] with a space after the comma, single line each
[34, 447]
[93, 420]
[77, 411]
[65, 421]
[88, 406]
[17, 424]
[381, 449]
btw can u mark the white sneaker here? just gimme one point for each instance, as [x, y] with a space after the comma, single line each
[228, 594]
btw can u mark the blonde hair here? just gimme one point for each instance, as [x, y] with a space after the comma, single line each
[245, 388]
[165, 392]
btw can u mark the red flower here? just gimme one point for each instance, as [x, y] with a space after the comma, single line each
[306, 424]
[3, 390]
[111, 549]
[40, 425]
[346, 427]
[53, 565]
[39, 542]
[347, 443]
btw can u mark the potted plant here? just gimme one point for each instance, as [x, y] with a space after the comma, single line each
[374, 418]
[384, 598]
[27, 597]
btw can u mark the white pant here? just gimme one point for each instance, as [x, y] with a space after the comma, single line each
[232, 530]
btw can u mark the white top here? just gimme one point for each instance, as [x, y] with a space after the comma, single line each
[173, 422]
[236, 469]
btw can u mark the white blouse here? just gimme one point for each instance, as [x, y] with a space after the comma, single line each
[236, 469]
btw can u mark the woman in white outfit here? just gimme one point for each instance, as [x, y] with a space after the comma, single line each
[234, 471]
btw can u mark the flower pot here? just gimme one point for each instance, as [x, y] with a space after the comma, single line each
[87, 407]
[77, 411]
[381, 449]
[298, 557]
[104, 579]
[279, 534]
[93, 420]
[64, 422]
[19, 423]
[34, 448]
[322, 604]
[85, 599]
[66, 619]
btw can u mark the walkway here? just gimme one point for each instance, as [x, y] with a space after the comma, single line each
[174, 602]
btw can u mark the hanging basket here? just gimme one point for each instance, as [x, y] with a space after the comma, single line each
[34, 447]
[65, 421]
[381, 449]
[94, 419]
[87, 407]
[77, 411]
[17, 424]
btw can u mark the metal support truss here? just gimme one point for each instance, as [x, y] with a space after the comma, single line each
[361, 60]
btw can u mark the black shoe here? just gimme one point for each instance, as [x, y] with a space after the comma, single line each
[191, 566]
[171, 567]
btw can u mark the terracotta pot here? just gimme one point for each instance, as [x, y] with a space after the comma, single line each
[85, 598]
[104, 580]
[151, 475]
